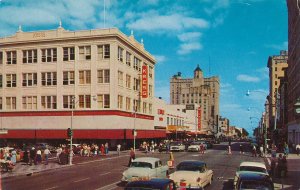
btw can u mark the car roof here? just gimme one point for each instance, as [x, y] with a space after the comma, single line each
[148, 159]
[154, 183]
[254, 164]
[246, 175]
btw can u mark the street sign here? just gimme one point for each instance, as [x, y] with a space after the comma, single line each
[190, 107]
[3, 132]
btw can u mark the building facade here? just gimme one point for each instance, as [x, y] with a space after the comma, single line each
[293, 77]
[88, 80]
[200, 91]
[276, 64]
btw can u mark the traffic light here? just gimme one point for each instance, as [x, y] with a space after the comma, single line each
[69, 132]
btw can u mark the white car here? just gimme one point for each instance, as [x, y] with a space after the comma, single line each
[145, 168]
[177, 146]
[195, 146]
[257, 167]
[193, 174]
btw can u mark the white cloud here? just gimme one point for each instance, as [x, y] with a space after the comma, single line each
[264, 72]
[247, 78]
[160, 58]
[152, 22]
[187, 48]
[189, 36]
[283, 46]
[217, 4]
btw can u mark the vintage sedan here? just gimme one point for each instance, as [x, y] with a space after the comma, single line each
[250, 167]
[194, 146]
[254, 180]
[145, 168]
[177, 146]
[194, 174]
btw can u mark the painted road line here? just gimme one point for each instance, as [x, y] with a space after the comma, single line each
[54, 187]
[104, 173]
[82, 163]
[83, 179]
[108, 186]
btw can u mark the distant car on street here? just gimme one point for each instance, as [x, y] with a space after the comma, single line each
[254, 180]
[194, 146]
[155, 183]
[145, 168]
[177, 146]
[193, 174]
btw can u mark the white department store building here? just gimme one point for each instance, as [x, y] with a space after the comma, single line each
[41, 72]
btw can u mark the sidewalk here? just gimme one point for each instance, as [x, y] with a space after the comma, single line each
[23, 169]
[292, 181]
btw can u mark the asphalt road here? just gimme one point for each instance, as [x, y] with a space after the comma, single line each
[106, 174]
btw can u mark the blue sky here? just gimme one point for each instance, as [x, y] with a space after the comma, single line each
[229, 38]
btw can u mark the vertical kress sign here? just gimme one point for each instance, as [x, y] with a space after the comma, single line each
[199, 119]
[145, 81]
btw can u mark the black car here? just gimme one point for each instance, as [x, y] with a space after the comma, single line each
[254, 180]
[152, 184]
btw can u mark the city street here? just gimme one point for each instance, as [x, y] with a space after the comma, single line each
[106, 174]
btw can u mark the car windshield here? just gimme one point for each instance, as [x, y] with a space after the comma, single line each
[195, 143]
[190, 167]
[252, 169]
[175, 143]
[261, 185]
[141, 165]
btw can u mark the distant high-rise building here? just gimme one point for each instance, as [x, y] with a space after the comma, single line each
[200, 91]
[276, 65]
[293, 76]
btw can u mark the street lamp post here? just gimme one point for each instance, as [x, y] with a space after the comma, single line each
[71, 137]
[134, 133]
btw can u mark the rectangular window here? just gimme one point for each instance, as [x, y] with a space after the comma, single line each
[67, 101]
[136, 84]
[144, 107]
[49, 79]
[11, 103]
[11, 57]
[11, 80]
[68, 78]
[29, 79]
[103, 51]
[1, 57]
[150, 90]
[85, 52]
[150, 72]
[49, 55]
[128, 81]
[120, 54]
[29, 102]
[1, 81]
[128, 59]
[1, 104]
[150, 108]
[120, 78]
[84, 101]
[120, 102]
[68, 53]
[103, 101]
[136, 64]
[128, 104]
[85, 77]
[30, 56]
[136, 105]
[103, 76]
[48, 102]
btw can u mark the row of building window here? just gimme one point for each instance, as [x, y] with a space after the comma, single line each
[174, 121]
[84, 101]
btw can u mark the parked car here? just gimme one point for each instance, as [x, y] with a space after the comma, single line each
[155, 183]
[254, 180]
[145, 167]
[194, 174]
[250, 167]
[177, 146]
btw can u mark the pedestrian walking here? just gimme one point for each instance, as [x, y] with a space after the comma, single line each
[26, 156]
[13, 158]
[229, 149]
[279, 166]
[132, 156]
[261, 151]
[286, 150]
[32, 156]
[273, 150]
[298, 149]
[273, 165]
[58, 152]
[118, 149]
[254, 153]
[38, 159]
[46, 154]
[106, 148]
[241, 149]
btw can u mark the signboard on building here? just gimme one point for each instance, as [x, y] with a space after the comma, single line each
[145, 81]
[199, 119]
[190, 107]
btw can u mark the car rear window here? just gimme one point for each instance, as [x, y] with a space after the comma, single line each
[252, 169]
[141, 165]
